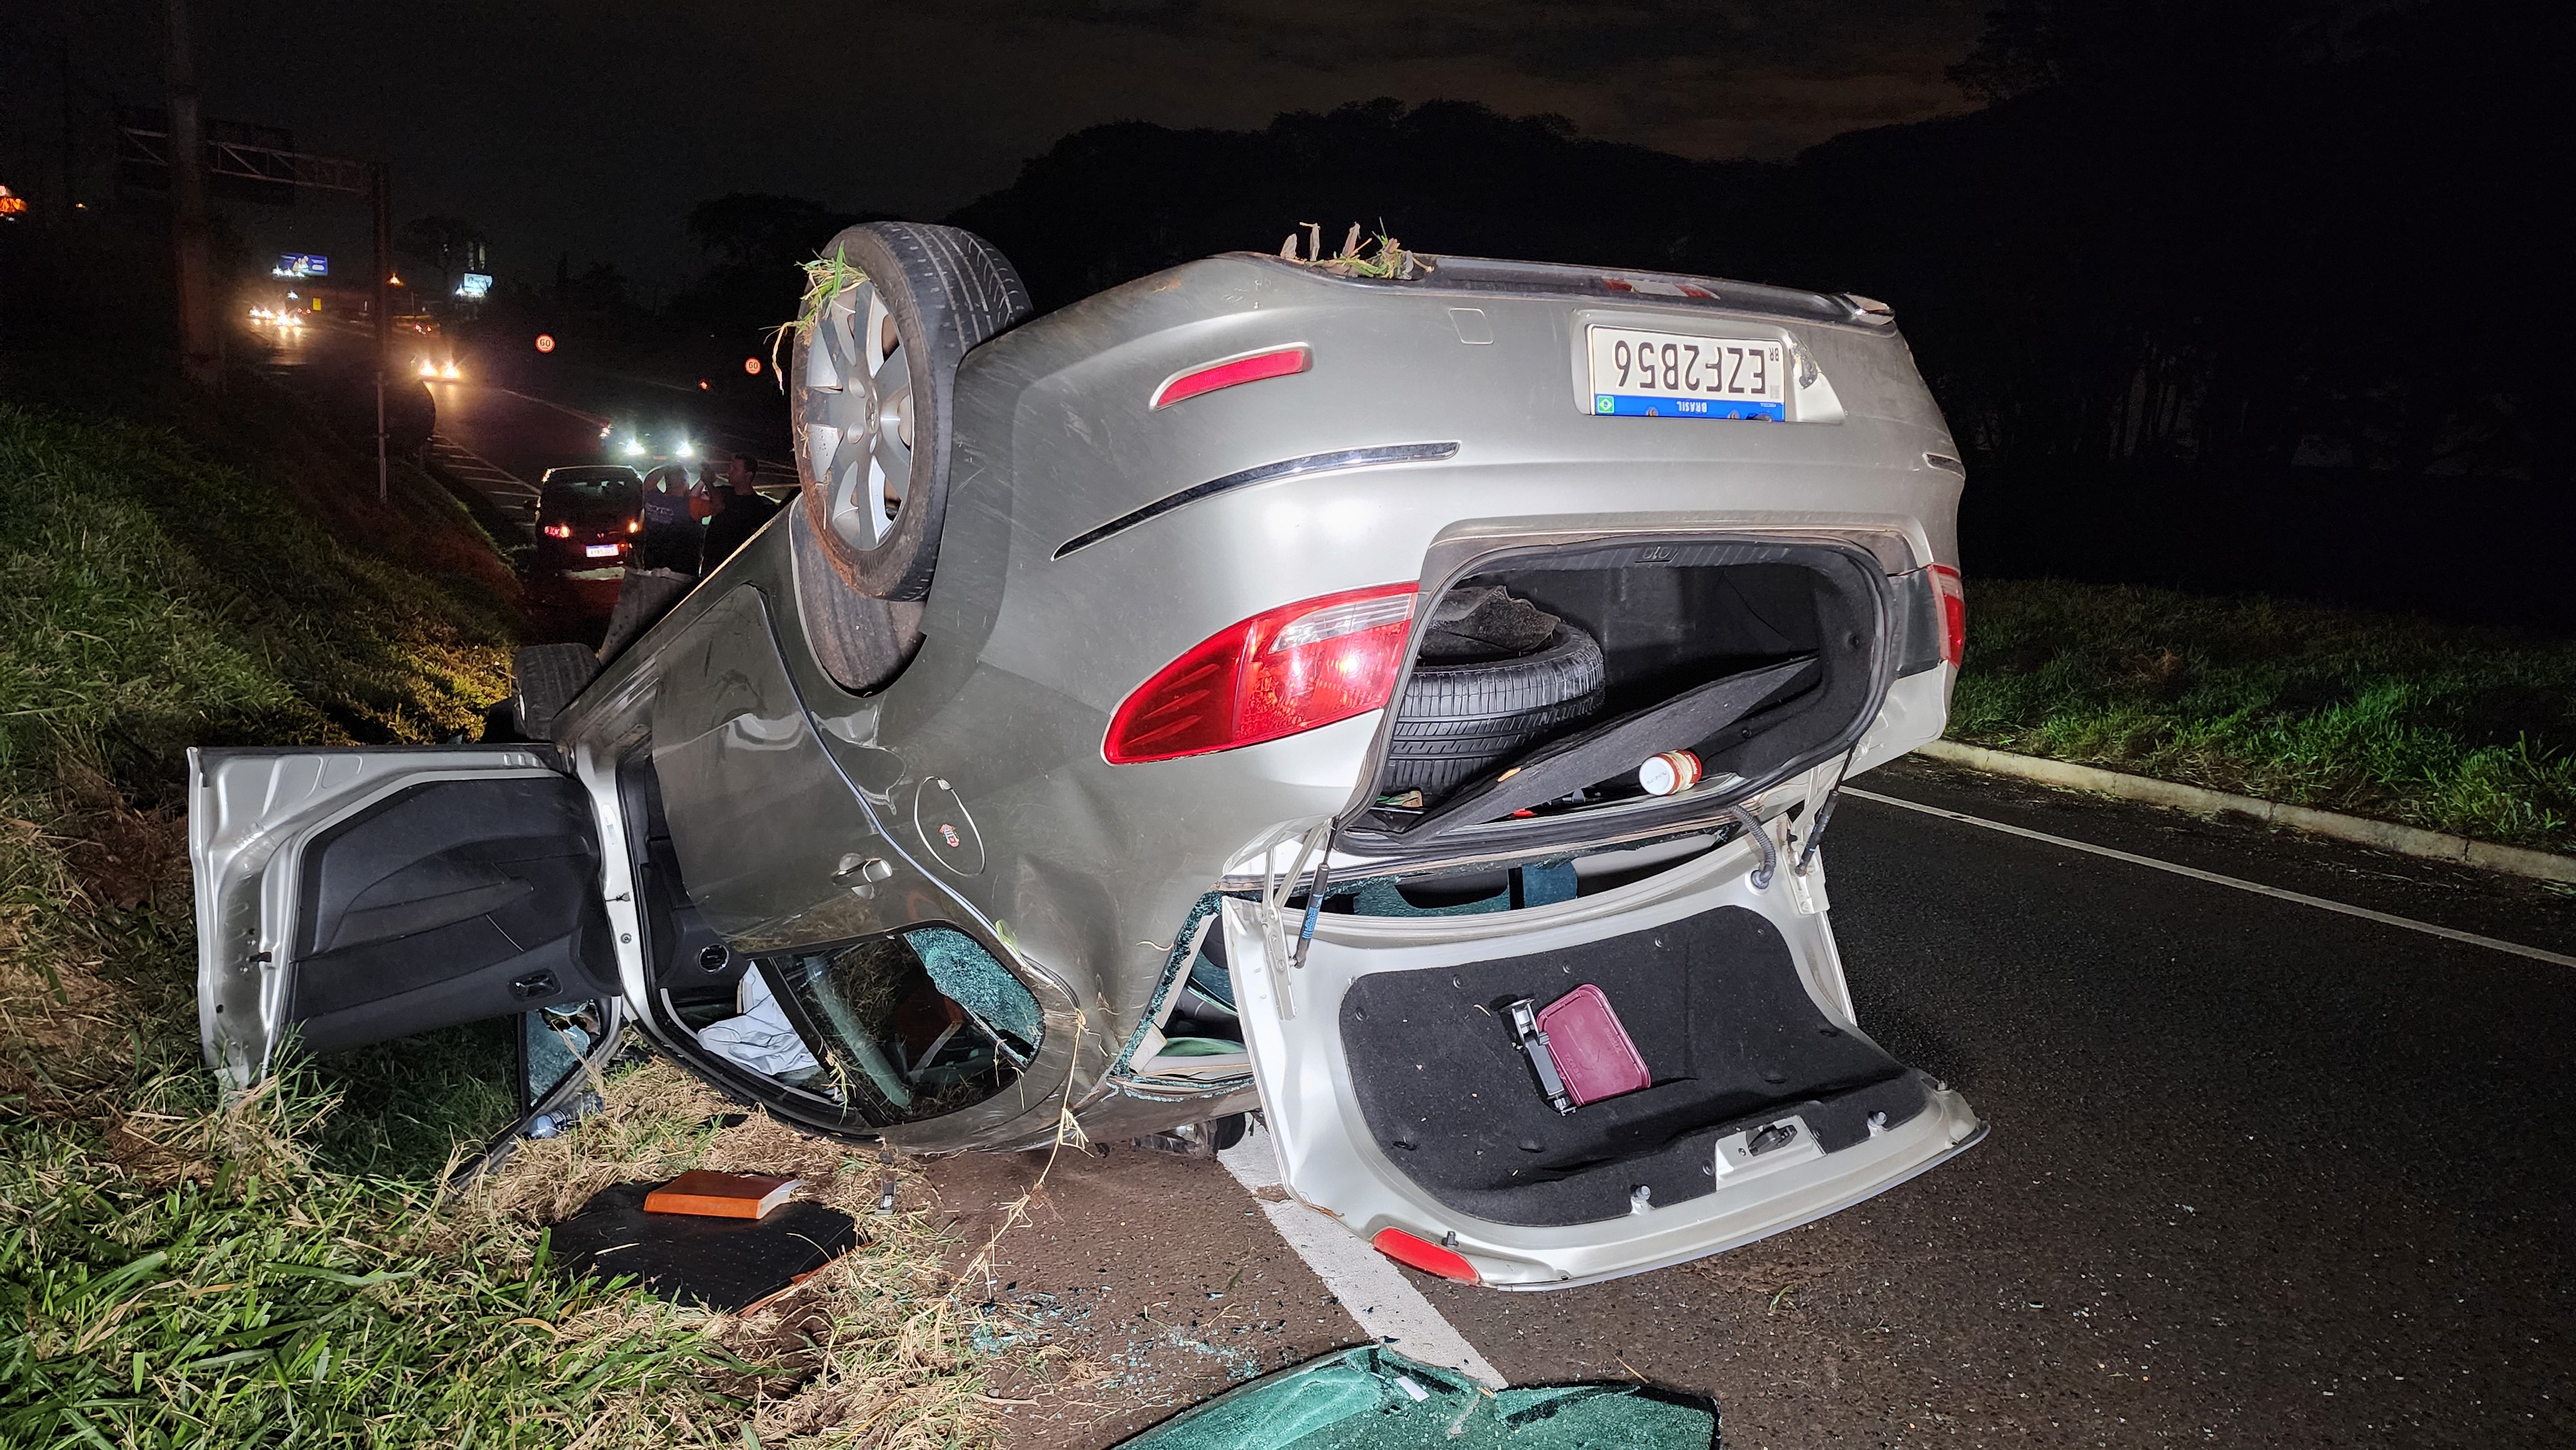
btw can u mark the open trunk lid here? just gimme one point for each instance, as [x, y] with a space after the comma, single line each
[1402, 1098]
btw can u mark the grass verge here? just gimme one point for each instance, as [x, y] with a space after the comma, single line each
[153, 596]
[2445, 727]
[183, 1275]
[286, 1269]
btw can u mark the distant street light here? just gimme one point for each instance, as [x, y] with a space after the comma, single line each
[545, 342]
[751, 365]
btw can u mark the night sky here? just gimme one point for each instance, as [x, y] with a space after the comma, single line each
[593, 128]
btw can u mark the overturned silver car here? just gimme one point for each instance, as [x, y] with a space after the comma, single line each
[1405, 706]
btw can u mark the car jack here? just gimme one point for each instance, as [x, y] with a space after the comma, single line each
[1543, 1062]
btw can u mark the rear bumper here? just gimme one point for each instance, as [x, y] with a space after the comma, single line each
[1513, 1258]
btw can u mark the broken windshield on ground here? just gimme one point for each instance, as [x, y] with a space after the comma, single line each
[1374, 1399]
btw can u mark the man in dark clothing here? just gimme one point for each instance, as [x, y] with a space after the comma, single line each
[740, 512]
[670, 533]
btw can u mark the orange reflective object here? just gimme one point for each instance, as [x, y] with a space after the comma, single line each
[1422, 1254]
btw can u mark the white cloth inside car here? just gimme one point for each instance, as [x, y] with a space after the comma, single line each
[761, 1038]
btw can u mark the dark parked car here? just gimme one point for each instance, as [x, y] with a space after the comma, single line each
[587, 518]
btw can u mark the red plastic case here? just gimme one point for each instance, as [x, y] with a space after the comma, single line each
[1593, 1052]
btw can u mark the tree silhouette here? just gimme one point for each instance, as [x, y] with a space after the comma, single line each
[757, 241]
[2031, 45]
[2211, 293]
[446, 245]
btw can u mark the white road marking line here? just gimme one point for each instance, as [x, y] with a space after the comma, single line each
[2365, 913]
[509, 495]
[447, 448]
[1368, 1284]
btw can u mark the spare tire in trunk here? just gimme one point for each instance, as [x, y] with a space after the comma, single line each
[1470, 705]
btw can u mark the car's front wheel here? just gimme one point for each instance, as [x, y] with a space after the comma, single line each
[898, 305]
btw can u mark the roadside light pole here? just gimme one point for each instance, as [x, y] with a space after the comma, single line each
[191, 158]
[200, 357]
[381, 184]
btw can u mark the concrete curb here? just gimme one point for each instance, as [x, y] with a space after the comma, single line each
[2380, 835]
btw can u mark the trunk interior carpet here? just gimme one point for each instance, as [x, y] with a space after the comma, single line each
[1730, 1038]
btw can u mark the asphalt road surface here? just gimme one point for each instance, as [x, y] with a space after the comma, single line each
[2259, 1174]
[519, 434]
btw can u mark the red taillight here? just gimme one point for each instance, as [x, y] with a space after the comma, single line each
[1290, 669]
[558, 531]
[1422, 1254]
[1275, 364]
[1954, 613]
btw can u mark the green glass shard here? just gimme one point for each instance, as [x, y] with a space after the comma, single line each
[961, 968]
[1372, 1398]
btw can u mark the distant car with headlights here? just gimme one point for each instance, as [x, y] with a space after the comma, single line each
[1407, 705]
[645, 444]
[588, 517]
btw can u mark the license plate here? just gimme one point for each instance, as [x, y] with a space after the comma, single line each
[600, 551]
[1641, 374]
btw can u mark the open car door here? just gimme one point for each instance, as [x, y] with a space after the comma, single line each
[352, 896]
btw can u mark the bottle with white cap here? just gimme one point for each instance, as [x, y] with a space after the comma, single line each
[1670, 773]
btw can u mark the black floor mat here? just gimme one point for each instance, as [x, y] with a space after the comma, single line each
[726, 1264]
[1714, 1005]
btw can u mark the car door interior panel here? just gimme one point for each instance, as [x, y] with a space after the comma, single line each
[450, 902]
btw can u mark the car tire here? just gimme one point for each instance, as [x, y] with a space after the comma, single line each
[861, 642]
[1460, 718]
[543, 679]
[871, 388]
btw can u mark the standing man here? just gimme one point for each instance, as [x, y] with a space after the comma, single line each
[670, 534]
[740, 512]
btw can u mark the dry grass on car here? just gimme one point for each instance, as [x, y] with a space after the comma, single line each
[1375, 255]
[825, 278]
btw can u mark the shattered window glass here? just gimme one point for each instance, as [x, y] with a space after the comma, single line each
[907, 1026]
[1374, 1399]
